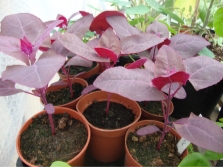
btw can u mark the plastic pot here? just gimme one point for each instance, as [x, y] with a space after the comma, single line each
[78, 160]
[107, 145]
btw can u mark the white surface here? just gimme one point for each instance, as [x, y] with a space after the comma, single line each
[16, 109]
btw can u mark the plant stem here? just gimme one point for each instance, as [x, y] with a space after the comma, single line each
[108, 103]
[195, 13]
[131, 58]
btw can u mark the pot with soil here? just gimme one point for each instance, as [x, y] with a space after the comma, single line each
[74, 70]
[36, 145]
[108, 129]
[60, 95]
[142, 150]
[152, 110]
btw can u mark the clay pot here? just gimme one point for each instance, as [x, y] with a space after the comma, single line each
[107, 145]
[78, 160]
[129, 160]
[73, 103]
[150, 116]
[85, 75]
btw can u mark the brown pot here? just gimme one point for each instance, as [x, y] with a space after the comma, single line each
[129, 160]
[107, 145]
[78, 160]
[73, 103]
[150, 116]
[85, 75]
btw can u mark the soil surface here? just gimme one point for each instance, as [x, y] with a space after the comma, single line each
[153, 107]
[62, 96]
[218, 52]
[117, 117]
[143, 150]
[77, 69]
[41, 148]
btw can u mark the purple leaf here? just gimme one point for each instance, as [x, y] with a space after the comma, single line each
[88, 89]
[60, 49]
[126, 81]
[79, 61]
[81, 26]
[22, 24]
[149, 65]
[168, 62]
[63, 19]
[106, 53]
[140, 42]
[201, 132]
[137, 63]
[83, 13]
[188, 45]
[147, 130]
[159, 29]
[11, 47]
[7, 88]
[109, 40]
[93, 43]
[145, 53]
[100, 24]
[204, 71]
[180, 77]
[60, 82]
[37, 75]
[36, 93]
[181, 94]
[121, 26]
[49, 108]
[73, 15]
[76, 45]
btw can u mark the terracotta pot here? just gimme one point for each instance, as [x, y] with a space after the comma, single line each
[73, 103]
[107, 145]
[85, 75]
[150, 116]
[78, 160]
[129, 160]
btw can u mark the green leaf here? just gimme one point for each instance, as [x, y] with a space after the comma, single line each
[153, 4]
[195, 160]
[219, 124]
[118, 2]
[89, 34]
[221, 120]
[59, 164]
[136, 21]
[172, 15]
[168, 26]
[210, 155]
[218, 22]
[206, 52]
[202, 11]
[169, 3]
[141, 10]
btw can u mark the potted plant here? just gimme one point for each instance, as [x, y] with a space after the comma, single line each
[36, 74]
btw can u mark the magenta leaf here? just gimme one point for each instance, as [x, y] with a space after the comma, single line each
[100, 24]
[181, 94]
[26, 46]
[109, 40]
[204, 71]
[121, 26]
[7, 88]
[147, 130]
[140, 42]
[159, 29]
[79, 61]
[168, 62]
[137, 63]
[83, 13]
[49, 108]
[180, 77]
[77, 46]
[81, 26]
[126, 81]
[37, 75]
[88, 89]
[11, 47]
[201, 132]
[22, 24]
[106, 53]
[64, 22]
[165, 42]
[188, 45]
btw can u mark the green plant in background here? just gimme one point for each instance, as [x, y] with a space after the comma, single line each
[59, 164]
[197, 159]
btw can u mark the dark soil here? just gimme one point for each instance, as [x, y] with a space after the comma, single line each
[143, 150]
[118, 116]
[153, 107]
[62, 96]
[77, 69]
[40, 147]
[218, 52]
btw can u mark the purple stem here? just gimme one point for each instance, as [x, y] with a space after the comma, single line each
[66, 72]
[108, 103]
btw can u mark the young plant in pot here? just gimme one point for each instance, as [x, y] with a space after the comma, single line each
[168, 74]
[31, 144]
